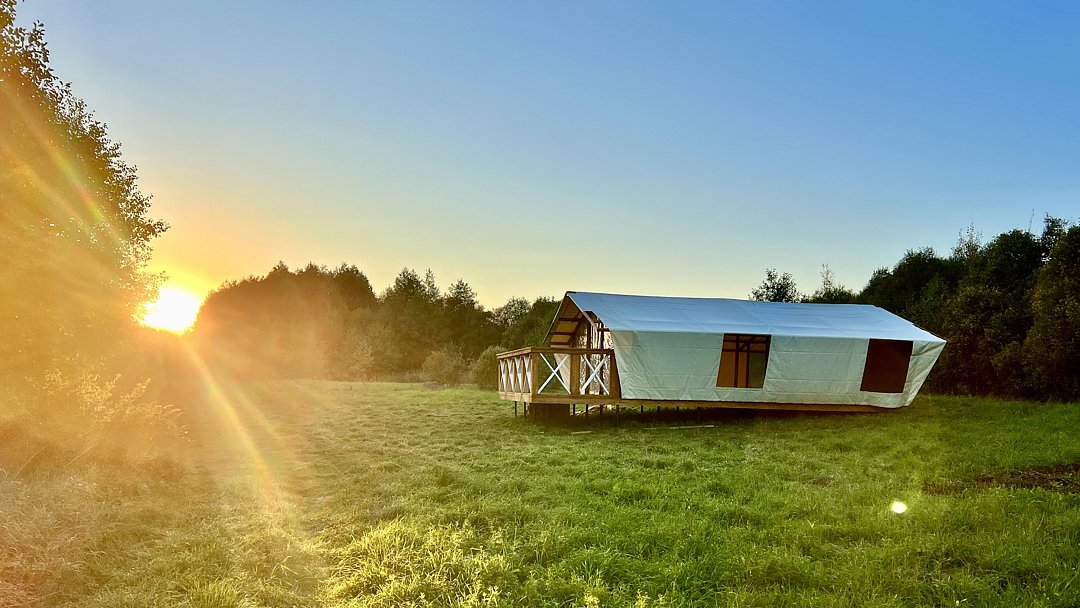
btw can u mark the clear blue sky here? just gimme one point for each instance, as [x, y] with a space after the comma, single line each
[531, 148]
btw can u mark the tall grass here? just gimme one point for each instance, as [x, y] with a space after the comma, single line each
[344, 494]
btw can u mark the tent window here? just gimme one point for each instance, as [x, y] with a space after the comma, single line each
[743, 361]
[886, 366]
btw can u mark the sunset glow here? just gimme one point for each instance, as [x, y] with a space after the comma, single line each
[174, 310]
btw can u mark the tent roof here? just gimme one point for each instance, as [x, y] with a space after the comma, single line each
[722, 315]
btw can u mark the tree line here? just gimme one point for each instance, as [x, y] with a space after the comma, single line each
[329, 323]
[1009, 309]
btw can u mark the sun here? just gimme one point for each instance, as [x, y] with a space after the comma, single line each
[174, 310]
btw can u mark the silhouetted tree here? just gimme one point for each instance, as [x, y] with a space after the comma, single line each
[1053, 229]
[969, 244]
[309, 323]
[74, 228]
[776, 288]
[353, 287]
[830, 291]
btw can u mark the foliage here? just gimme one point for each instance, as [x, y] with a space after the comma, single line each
[776, 288]
[445, 367]
[524, 324]
[1052, 347]
[987, 317]
[916, 288]
[484, 371]
[318, 323]
[102, 411]
[830, 291]
[289, 324]
[74, 228]
[75, 232]
[968, 244]
[469, 328]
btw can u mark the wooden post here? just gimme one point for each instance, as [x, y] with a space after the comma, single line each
[613, 380]
[515, 409]
[575, 374]
[534, 373]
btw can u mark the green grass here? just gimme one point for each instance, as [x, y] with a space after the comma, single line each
[341, 494]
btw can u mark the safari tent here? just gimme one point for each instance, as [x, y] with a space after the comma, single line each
[647, 350]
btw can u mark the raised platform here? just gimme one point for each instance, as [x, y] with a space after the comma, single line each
[562, 376]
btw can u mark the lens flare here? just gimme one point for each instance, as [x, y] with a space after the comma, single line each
[898, 507]
[174, 310]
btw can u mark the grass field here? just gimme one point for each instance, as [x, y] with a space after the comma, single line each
[341, 494]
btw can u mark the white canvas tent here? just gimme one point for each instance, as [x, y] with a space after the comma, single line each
[736, 351]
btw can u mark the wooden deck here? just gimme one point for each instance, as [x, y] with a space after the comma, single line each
[558, 377]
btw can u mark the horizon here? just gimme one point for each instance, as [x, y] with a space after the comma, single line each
[521, 148]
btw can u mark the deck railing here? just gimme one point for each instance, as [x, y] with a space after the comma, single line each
[559, 375]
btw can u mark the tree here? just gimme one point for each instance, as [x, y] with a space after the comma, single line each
[830, 291]
[968, 244]
[1052, 348]
[776, 288]
[1053, 229]
[74, 227]
[468, 327]
[409, 322]
[523, 324]
[916, 288]
[508, 314]
[310, 323]
[353, 287]
[988, 316]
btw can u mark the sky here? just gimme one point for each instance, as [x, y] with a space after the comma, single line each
[534, 148]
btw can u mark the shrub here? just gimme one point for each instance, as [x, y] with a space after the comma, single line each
[103, 414]
[444, 366]
[484, 372]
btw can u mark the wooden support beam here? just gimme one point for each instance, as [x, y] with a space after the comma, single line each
[534, 377]
[613, 381]
[575, 374]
